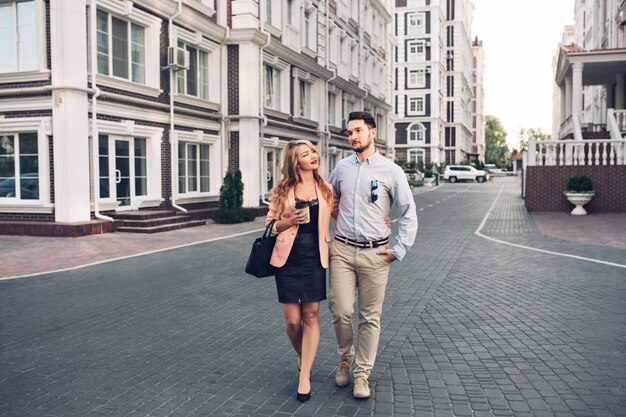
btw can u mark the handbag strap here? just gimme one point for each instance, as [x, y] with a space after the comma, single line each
[268, 229]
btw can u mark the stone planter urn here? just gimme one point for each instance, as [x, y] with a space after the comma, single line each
[429, 182]
[579, 200]
[579, 192]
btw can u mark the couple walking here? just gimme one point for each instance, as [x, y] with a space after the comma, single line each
[359, 195]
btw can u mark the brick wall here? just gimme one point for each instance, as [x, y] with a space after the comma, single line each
[545, 186]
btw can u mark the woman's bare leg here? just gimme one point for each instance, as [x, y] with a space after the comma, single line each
[293, 327]
[310, 341]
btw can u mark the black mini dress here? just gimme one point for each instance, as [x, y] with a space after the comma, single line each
[303, 278]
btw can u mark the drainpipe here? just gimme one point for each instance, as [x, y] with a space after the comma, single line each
[262, 93]
[327, 133]
[95, 161]
[173, 142]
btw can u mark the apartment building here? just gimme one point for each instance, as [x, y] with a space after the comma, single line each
[433, 81]
[478, 99]
[110, 107]
[591, 72]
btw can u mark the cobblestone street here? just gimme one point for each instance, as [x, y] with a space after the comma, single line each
[485, 316]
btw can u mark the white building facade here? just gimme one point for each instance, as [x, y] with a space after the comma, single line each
[433, 81]
[161, 98]
[478, 99]
[591, 72]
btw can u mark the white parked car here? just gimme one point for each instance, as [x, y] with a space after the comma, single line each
[454, 173]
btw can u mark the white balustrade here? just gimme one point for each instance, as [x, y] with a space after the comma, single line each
[577, 152]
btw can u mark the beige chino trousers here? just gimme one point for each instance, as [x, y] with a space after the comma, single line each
[357, 272]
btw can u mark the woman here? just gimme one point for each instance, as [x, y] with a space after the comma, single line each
[301, 251]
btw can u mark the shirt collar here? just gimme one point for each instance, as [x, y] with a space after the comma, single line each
[369, 161]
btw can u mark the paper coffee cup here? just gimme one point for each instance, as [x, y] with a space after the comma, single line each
[301, 205]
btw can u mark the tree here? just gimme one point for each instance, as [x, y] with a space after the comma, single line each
[496, 149]
[532, 133]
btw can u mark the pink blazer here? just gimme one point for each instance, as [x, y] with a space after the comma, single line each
[285, 239]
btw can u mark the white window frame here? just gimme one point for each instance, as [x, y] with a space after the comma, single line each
[283, 67]
[153, 135]
[415, 50]
[274, 94]
[415, 155]
[215, 169]
[419, 103]
[199, 42]
[271, 144]
[152, 29]
[416, 78]
[43, 128]
[304, 109]
[416, 133]
[416, 24]
[40, 70]
[309, 29]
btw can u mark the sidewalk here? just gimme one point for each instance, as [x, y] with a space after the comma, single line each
[26, 255]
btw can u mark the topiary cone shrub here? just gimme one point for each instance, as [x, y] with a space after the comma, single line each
[231, 200]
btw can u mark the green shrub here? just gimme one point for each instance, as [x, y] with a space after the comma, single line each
[580, 184]
[231, 200]
[429, 173]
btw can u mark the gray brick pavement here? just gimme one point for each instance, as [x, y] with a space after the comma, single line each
[470, 328]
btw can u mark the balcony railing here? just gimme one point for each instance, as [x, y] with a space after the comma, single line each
[577, 152]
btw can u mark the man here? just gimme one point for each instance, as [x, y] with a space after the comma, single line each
[366, 185]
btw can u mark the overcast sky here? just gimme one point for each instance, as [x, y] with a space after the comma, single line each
[520, 38]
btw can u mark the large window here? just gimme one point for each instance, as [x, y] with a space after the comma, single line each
[121, 48]
[415, 23]
[18, 36]
[332, 109]
[193, 168]
[304, 99]
[417, 78]
[416, 133]
[19, 166]
[415, 51]
[272, 87]
[195, 80]
[417, 156]
[416, 105]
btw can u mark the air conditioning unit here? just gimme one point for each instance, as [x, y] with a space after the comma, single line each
[177, 58]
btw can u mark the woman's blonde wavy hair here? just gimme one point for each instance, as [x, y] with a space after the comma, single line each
[291, 176]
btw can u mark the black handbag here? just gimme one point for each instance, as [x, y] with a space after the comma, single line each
[261, 253]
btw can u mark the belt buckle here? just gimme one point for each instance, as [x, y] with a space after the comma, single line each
[371, 244]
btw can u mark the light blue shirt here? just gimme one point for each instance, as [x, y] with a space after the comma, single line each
[361, 219]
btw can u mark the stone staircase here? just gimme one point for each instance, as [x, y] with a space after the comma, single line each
[154, 221]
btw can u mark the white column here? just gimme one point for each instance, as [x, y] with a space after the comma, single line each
[568, 96]
[249, 128]
[620, 91]
[69, 110]
[562, 105]
[577, 92]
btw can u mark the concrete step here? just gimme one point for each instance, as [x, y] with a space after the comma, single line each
[161, 228]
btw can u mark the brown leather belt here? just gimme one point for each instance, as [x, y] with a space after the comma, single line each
[366, 244]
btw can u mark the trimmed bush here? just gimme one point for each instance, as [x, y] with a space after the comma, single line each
[580, 184]
[231, 200]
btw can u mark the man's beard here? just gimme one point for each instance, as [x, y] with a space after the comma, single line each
[362, 148]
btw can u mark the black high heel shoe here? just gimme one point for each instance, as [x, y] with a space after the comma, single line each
[303, 397]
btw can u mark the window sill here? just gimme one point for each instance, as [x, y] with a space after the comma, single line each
[24, 76]
[309, 52]
[128, 86]
[25, 207]
[305, 121]
[188, 199]
[276, 114]
[198, 102]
